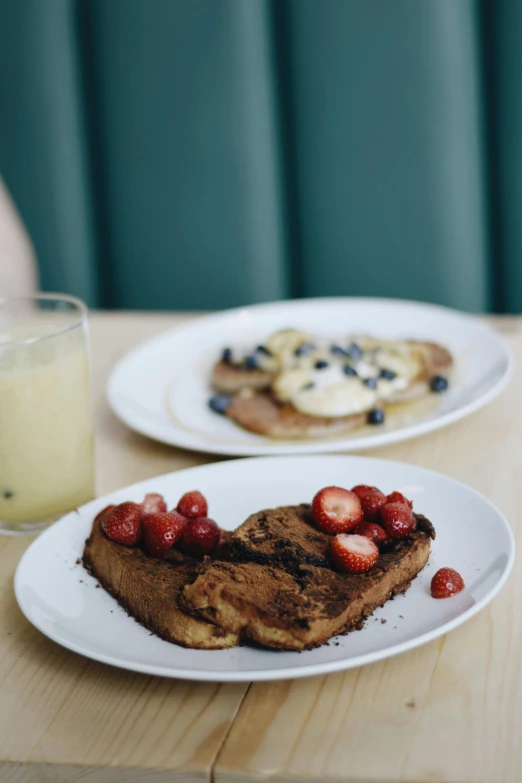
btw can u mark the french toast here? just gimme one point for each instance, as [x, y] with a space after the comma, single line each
[287, 396]
[282, 591]
[149, 589]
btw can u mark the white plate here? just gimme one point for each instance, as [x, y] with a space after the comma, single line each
[161, 388]
[61, 599]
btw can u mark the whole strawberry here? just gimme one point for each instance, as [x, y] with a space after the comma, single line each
[336, 510]
[153, 503]
[397, 519]
[372, 503]
[161, 531]
[398, 497]
[354, 554]
[372, 531]
[201, 537]
[446, 582]
[122, 523]
[193, 505]
[361, 490]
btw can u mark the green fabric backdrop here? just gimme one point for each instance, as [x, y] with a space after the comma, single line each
[209, 153]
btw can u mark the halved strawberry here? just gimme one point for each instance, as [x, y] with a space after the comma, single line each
[398, 497]
[193, 505]
[336, 510]
[446, 582]
[372, 504]
[161, 531]
[153, 503]
[397, 519]
[354, 554]
[122, 523]
[373, 531]
[361, 490]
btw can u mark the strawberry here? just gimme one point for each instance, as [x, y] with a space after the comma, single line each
[372, 504]
[373, 531]
[153, 503]
[122, 523]
[336, 510]
[161, 531]
[193, 504]
[397, 519]
[354, 554]
[361, 490]
[446, 582]
[201, 537]
[398, 497]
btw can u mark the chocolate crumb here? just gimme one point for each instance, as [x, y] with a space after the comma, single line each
[411, 704]
[383, 620]
[97, 586]
[78, 561]
[402, 618]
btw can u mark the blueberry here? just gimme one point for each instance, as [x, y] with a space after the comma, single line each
[8, 494]
[304, 349]
[308, 386]
[376, 416]
[354, 351]
[251, 363]
[388, 375]
[371, 383]
[220, 403]
[321, 364]
[438, 383]
[264, 350]
[349, 370]
[227, 355]
[337, 350]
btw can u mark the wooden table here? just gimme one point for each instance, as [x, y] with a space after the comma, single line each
[449, 712]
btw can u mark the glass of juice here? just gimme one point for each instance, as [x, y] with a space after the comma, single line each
[46, 418]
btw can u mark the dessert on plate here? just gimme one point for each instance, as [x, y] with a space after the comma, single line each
[288, 578]
[298, 385]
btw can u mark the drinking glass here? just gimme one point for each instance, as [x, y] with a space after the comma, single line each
[46, 421]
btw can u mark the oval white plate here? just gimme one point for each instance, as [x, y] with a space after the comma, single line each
[161, 388]
[58, 596]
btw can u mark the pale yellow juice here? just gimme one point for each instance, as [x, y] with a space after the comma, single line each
[46, 427]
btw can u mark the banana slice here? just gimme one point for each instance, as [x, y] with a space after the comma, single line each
[340, 399]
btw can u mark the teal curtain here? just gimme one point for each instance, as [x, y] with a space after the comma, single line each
[188, 154]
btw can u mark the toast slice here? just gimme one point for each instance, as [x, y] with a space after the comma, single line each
[277, 598]
[150, 590]
[256, 408]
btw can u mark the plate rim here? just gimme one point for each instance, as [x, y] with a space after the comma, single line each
[288, 672]
[351, 444]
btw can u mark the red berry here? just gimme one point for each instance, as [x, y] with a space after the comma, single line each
[354, 554]
[201, 537]
[122, 524]
[398, 497]
[361, 490]
[372, 504]
[153, 503]
[397, 519]
[193, 504]
[372, 531]
[336, 510]
[446, 582]
[161, 531]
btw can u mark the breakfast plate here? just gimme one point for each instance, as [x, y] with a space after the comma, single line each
[65, 603]
[161, 388]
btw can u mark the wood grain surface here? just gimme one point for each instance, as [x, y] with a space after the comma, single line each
[448, 712]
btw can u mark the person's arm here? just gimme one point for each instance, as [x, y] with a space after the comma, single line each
[18, 275]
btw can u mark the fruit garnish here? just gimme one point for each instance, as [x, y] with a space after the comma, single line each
[153, 503]
[398, 497]
[372, 503]
[161, 531]
[201, 537]
[336, 510]
[361, 490]
[122, 523]
[397, 519]
[193, 504]
[354, 554]
[373, 531]
[446, 582]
